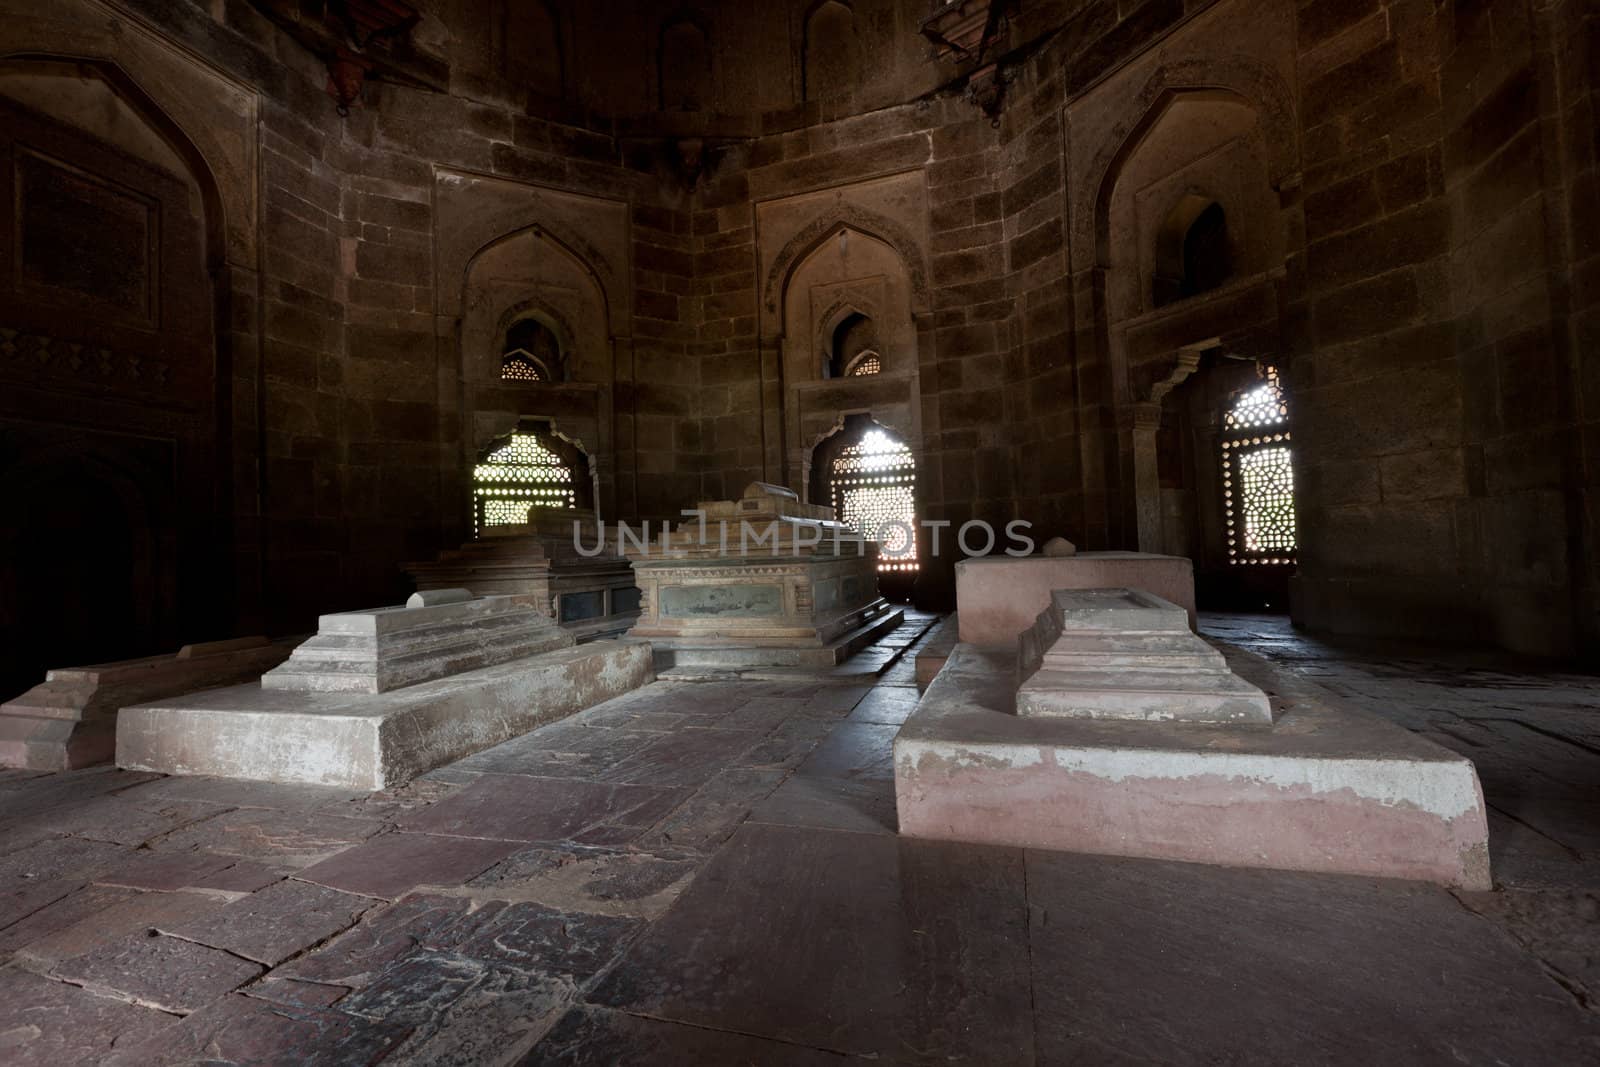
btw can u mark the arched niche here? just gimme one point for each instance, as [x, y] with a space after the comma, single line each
[533, 47]
[530, 277]
[204, 115]
[683, 64]
[1196, 150]
[852, 288]
[116, 286]
[1190, 237]
[830, 51]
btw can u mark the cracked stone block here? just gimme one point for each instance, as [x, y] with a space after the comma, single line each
[277, 922]
[295, 993]
[497, 1018]
[355, 957]
[237, 1031]
[161, 972]
[51, 1023]
[138, 914]
[392, 865]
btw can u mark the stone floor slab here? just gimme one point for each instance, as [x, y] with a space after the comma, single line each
[597, 881]
[854, 750]
[62, 914]
[913, 951]
[513, 808]
[687, 758]
[710, 816]
[388, 934]
[113, 819]
[137, 914]
[594, 1037]
[294, 839]
[48, 1023]
[865, 806]
[392, 865]
[1147, 961]
[160, 972]
[274, 923]
[193, 869]
[564, 944]
[495, 1021]
[241, 1031]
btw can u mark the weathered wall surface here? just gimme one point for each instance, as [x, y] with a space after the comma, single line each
[1411, 191]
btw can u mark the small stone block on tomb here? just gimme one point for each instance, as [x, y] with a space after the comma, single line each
[1127, 654]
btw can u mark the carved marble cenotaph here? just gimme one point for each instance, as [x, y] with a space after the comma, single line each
[764, 581]
[592, 595]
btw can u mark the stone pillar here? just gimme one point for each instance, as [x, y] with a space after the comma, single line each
[1141, 422]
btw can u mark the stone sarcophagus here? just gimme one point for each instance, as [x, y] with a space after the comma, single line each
[379, 696]
[70, 719]
[589, 592]
[760, 581]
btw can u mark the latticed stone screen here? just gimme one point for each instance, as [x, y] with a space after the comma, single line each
[518, 368]
[1258, 476]
[873, 483]
[866, 365]
[516, 476]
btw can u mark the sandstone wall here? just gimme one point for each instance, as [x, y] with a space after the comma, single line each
[1428, 285]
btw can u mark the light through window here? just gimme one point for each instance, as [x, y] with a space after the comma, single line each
[867, 364]
[873, 486]
[1258, 476]
[515, 477]
[516, 367]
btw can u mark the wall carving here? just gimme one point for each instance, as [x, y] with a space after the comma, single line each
[87, 361]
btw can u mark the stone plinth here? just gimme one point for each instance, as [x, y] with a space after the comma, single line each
[1126, 654]
[589, 595]
[1000, 596]
[373, 740]
[70, 719]
[766, 581]
[379, 696]
[434, 635]
[1327, 788]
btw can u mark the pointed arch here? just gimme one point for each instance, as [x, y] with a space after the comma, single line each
[826, 227]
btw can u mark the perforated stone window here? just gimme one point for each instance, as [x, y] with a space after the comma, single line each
[873, 485]
[532, 353]
[1258, 476]
[867, 363]
[516, 476]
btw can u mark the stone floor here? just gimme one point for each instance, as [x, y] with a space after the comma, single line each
[705, 872]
